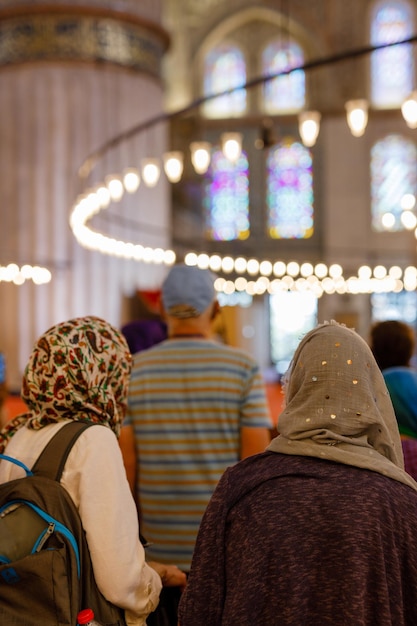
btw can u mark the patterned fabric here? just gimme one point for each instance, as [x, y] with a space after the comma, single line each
[78, 369]
[297, 541]
[188, 400]
[338, 406]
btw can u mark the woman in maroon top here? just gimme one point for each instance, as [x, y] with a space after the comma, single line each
[320, 529]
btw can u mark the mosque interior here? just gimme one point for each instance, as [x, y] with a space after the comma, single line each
[299, 228]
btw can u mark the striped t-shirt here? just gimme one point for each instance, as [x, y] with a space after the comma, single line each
[188, 400]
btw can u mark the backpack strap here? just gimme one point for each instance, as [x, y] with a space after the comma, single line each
[52, 459]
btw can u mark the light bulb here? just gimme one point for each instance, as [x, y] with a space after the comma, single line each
[409, 110]
[408, 220]
[103, 195]
[115, 187]
[232, 146]
[388, 221]
[150, 171]
[408, 202]
[174, 165]
[131, 179]
[309, 126]
[357, 116]
[200, 156]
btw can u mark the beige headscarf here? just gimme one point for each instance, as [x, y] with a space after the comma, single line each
[338, 407]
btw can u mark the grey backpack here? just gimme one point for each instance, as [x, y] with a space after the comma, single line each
[46, 575]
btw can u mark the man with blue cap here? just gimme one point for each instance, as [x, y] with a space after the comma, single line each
[197, 406]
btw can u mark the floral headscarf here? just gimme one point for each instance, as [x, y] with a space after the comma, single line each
[78, 370]
[338, 407]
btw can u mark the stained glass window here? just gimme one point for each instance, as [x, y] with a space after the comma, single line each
[393, 176]
[284, 93]
[290, 191]
[392, 67]
[224, 69]
[226, 200]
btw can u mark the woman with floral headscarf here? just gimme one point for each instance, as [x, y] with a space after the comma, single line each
[79, 370]
[321, 528]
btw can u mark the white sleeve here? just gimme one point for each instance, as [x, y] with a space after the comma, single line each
[95, 477]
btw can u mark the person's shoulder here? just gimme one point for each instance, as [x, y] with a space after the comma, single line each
[399, 369]
[26, 438]
[232, 351]
[98, 433]
[249, 473]
[400, 373]
[97, 441]
[149, 353]
[266, 463]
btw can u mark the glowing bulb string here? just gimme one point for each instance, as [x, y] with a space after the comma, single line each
[90, 203]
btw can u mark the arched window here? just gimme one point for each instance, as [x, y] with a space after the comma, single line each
[392, 68]
[226, 199]
[284, 93]
[225, 68]
[393, 176]
[290, 191]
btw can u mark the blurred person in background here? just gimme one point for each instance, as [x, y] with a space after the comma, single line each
[393, 344]
[196, 406]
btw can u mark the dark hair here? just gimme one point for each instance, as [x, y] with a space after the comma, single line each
[392, 343]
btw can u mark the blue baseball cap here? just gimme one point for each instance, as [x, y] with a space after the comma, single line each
[187, 291]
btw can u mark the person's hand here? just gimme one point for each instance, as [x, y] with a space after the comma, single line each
[171, 575]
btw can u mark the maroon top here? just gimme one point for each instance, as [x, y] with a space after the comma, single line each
[300, 541]
[410, 456]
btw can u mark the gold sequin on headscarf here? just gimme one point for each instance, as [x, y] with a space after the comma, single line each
[338, 407]
[78, 369]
